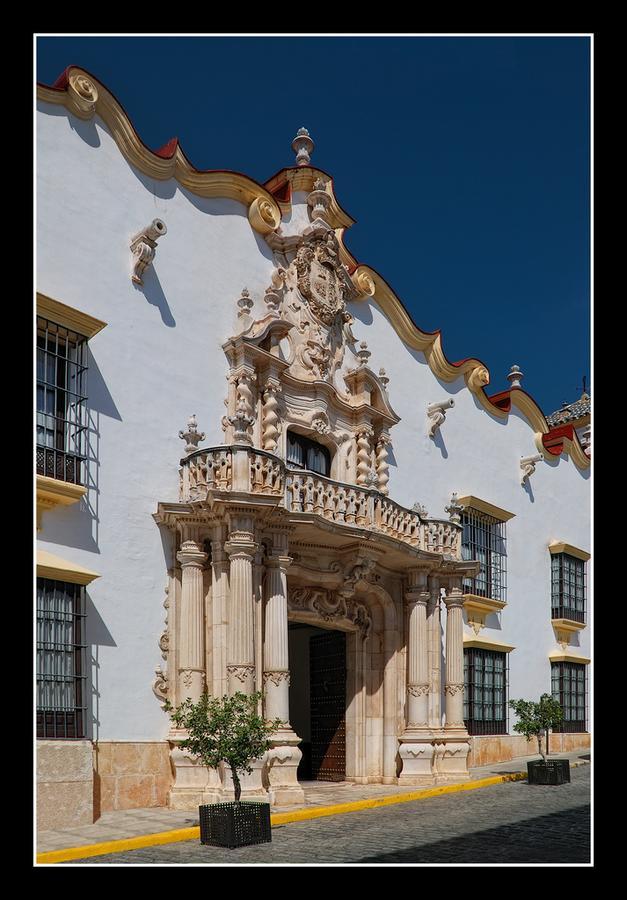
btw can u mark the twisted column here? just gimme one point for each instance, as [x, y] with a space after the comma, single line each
[191, 665]
[454, 687]
[363, 454]
[241, 656]
[270, 418]
[418, 655]
[382, 462]
[276, 674]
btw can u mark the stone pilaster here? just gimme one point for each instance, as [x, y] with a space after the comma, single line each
[219, 610]
[284, 757]
[241, 653]
[416, 749]
[191, 656]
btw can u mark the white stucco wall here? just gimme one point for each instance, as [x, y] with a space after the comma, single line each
[159, 359]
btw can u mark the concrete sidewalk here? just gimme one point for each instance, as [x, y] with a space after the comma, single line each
[127, 824]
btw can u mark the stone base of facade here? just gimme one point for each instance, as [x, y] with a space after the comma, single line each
[65, 784]
[489, 749]
[131, 775]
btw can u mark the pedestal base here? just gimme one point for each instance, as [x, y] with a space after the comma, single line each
[194, 783]
[451, 760]
[283, 760]
[252, 785]
[417, 756]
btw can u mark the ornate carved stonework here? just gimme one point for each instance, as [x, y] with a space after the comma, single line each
[317, 263]
[242, 673]
[187, 678]
[417, 690]
[330, 606]
[160, 685]
[453, 689]
[276, 677]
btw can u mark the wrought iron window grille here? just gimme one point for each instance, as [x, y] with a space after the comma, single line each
[568, 588]
[61, 671]
[569, 687]
[484, 538]
[486, 680]
[61, 402]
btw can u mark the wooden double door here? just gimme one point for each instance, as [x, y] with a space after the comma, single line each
[327, 692]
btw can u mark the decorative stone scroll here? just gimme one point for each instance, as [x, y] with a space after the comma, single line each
[143, 248]
[330, 606]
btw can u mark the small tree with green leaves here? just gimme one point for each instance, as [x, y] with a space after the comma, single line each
[534, 718]
[225, 729]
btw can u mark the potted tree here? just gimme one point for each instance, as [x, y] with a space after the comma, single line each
[535, 719]
[229, 730]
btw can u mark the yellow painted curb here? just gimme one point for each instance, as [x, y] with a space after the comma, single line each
[299, 815]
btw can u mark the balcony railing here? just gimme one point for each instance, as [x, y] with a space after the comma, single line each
[239, 469]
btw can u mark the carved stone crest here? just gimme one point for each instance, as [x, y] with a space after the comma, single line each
[319, 281]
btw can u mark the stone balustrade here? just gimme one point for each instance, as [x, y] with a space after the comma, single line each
[239, 468]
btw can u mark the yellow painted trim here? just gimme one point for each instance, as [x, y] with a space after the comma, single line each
[299, 815]
[488, 508]
[567, 625]
[51, 566]
[561, 656]
[52, 491]
[483, 604]
[68, 317]
[472, 641]
[561, 547]
[204, 184]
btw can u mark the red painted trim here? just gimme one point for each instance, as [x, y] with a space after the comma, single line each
[554, 440]
[502, 400]
[168, 150]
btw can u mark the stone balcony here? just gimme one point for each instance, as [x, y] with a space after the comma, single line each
[240, 470]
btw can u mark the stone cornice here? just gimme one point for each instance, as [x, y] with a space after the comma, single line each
[51, 566]
[561, 547]
[68, 317]
[490, 509]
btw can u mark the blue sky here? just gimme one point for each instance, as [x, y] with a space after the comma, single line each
[465, 162]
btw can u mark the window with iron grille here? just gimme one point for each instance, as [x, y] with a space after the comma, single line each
[61, 401]
[483, 538]
[485, 691]
[568, 686]
[568, 587]
[303, 453]
[61, 693]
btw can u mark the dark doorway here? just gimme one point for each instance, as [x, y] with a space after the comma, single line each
[327, 685]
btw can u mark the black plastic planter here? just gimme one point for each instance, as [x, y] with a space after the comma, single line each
[553, 771]
[235, 824]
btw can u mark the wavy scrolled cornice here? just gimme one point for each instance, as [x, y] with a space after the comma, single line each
[83, 95]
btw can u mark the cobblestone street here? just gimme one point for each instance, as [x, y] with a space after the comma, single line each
[513, 822]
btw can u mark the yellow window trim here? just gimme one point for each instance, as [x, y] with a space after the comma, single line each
[567, 625]
[51, 491]
[486, 644]
[558, 656]
[561, 547]
[51, 566]
[483, 604]
[68, 317]
[488, 508]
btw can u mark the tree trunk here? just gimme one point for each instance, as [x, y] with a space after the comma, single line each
[539, 736]
[236, 784]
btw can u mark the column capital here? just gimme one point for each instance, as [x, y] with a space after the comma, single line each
[275, 561]
[238, 549]
[417, 595]
[454, 598]
[417, 579]
[190, 554]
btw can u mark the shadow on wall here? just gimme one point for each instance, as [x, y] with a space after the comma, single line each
[78, 525]
[85, 129]
[97, 635]
[153, 292]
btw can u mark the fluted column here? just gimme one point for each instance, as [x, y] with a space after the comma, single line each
[284, 755]
[417, 598]
[454, 687]
[416, 748]
[191, 665]
[276, 674]
[435, 653]
[219, 610]
[241, 655]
